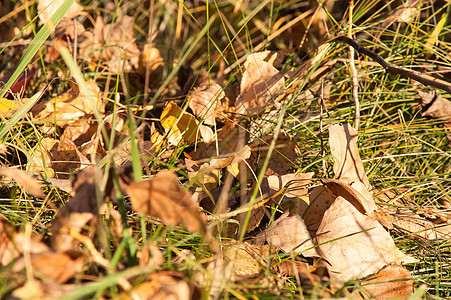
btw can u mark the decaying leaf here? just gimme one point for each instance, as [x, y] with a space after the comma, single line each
[289, 234]
[313, 207]
[165, 198]
[390, 282]
[203, 102]
[77, 212]
[9, 107]
[260, 84]
[32, 289]
[355, 244]
[435, 106]
[28, 183]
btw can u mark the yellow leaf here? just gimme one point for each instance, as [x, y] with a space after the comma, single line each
[9, 107]
[433, 37]
[233, 169]
[178, 124]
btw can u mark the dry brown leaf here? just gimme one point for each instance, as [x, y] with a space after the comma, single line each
[261, 83]
[295, 184]
[436, 107]
[412, 222]
[149, 59]
[24, 180]
[8, 251]
[77, 212]
[390, 282]
[53, 156]
[32, 289]
[203, 102]
[352, 253]
[282, 157]
[165, 198]
[165, 285]
[248, 260]
[227, 141]
[70, 106]
[343, 145]
[289, 234]
[114, 44]
[54, 266]
[150, 255]
[46, 8]
[341, 188]
[312, 209]
[80, 132]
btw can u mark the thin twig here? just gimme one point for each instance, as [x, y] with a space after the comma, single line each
[355, 84]
[391, 69]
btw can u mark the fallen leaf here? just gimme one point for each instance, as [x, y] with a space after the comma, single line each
[289, 234]
[80, 132]
[70, 106]
[32, 289]
[260, 84]
[178, 124]
[8, 251]
[58, 267]
[435, 106]
[248, 260]
[166, 285]
[150, 255]
[9, 107]
[392, 281]
[24, 180]
[113, 44]
[53, 156]
[433, 36]
[203, 102]
[149, 59]
[77, 212]
[312, 209]
[282, 158]
[46, 8]
[355, 244]
[348, 165]
[341, 188]
[165, 198]
[409, 221]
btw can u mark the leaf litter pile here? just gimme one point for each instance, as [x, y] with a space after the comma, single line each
[140, 181]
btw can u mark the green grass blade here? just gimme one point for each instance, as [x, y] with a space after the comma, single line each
[36, 43]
